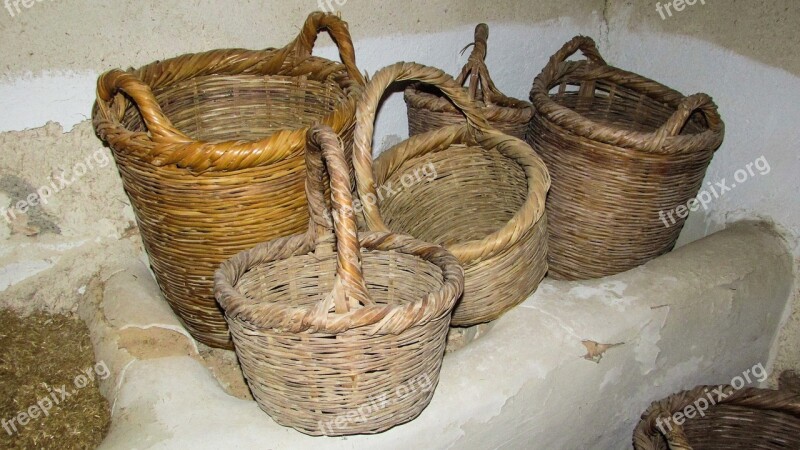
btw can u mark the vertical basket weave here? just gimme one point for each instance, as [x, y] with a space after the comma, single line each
[485, 201]
[210, 150]
[621, 149]
[748, 418]
[326, 347]
[428, 110]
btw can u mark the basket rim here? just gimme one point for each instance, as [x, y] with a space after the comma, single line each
[782, 400]
[578, 124]
[202, 156]
[536, 176]
[504, 108]
[283, 318]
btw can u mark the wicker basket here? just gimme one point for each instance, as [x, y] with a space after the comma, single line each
[622, 151]
[428, 110]
[327, 349]
[747, 418]
[482, 195]
[210, 150]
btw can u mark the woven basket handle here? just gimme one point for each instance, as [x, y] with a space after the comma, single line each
[583, 43]
[689, 105]
[476, 69]
[303, 44]
[324, 150]
[365, 118]
[117, 81]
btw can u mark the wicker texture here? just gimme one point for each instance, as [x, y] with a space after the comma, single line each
[428, 110]
[210, 150]
[318, 338]
[620, 148]
[747, 418]
[486, 203]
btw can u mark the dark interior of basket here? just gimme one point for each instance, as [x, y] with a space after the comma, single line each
[302, 281]
[242, 107]
[613, 105]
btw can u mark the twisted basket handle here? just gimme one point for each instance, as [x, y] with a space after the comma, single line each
[324, 149]
[303, 44]
[365, 118]
[115, 81]
[162, 129]
[476, 68]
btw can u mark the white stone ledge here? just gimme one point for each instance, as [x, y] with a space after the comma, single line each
[702, 314]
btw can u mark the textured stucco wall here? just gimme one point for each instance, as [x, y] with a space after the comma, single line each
[742, 52]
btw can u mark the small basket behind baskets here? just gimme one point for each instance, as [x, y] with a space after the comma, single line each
[429, 110]
[320, 338]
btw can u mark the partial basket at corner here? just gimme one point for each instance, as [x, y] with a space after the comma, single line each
[210, 150]
[429, 110]
[469, 187]
[344, 341]
[748, 418]
[624, 152]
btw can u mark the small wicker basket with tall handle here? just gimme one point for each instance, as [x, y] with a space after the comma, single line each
[346, 341]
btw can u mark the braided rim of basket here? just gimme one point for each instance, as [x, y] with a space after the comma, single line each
[785, 401]
[476, 132]
[499, 107]
[349, 305]
[166, 145]
[665, 140]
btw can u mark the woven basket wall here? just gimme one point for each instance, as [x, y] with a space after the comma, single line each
[748, 418]
[471, 188]
[210, 150]
[428, 110]
[620, 149]
[344, 342]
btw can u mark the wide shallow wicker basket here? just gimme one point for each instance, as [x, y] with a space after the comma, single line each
[429, 110]
[210, 150]
[326, 347]
[748, 418]
[622, 150]
[471, 188]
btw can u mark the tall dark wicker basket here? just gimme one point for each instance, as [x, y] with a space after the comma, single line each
[621, 150]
